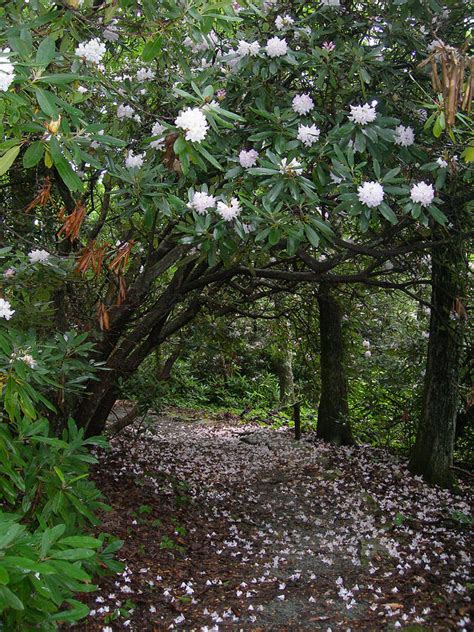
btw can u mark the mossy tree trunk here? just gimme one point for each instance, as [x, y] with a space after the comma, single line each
[333, 411]
[432, 455]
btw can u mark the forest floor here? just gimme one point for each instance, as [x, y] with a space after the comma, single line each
[231, 526]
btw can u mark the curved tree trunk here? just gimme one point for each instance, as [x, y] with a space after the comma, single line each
[432, 454]
[333, 412]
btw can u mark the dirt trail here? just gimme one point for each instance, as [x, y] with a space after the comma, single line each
[235, 527]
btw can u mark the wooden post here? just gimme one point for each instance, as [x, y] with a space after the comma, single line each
[297, 420]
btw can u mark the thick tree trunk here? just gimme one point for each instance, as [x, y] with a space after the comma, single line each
[333, 412]
[432, 454]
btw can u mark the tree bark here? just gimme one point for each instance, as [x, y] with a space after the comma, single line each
[333, 412]
[432, 455]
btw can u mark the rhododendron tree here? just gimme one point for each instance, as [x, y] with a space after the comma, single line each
[157, 151]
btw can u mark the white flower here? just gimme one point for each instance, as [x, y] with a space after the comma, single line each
[290, 168]
[202, 201]
[229, 211]
[366, 344]
[6, 310]
[110, 33]
[193, 121]
[38, 256]
[442, 163]
[422, 193]
[244, 48]
[308, 134]
[282, 22]
[9, 273]
[157, 130]
[7, 70]
[92, 51]
[331, 3]
[134, 161]
[368, 354]
[29, 360]
[276, 47]
[302, 104]
[145, 74]
[362, 114]
[125, 112]
[248, 158]
[404, 136]
[335, 179]
[370, 193]
[82, 89]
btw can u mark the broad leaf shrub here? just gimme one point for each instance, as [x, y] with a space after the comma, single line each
[47, 502]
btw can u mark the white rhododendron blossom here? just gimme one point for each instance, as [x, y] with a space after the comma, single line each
[9, 273]
[38, 256]
[422, 193]
[229, 211]
[441, 162]
[302, 104]
[158, 130]
[145, 74]
[29, 360]
[276, 47]
[125, 112]
[194, 123]
[404, 136]
[202, 201]
[7, 70]
[6, 310]
[246, 48]
[362, 114]
[134, 161]
[291, 168]
[283, 21]
[308, 134]
[248, 158]
[370, 193]
[91, 51]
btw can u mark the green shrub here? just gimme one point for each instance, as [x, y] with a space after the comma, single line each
[47, 502]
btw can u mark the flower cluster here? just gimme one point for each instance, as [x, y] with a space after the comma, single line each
[7, 70]
[276, 47]
[6, 310]
[158, 130]
[134, 161]
[125, 112]
[404, 136]
[248, 158]
[362, 114]
[302, 104]
[202, 201]
[283, 22]
[291, 168]
[422, 193]
[371, 194]
[194, 123]
[145, 74]
[229, 211]
[91, 51]
[244, 48]
[308, 134]
[38, 256]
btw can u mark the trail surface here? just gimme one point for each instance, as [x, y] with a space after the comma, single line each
[237, 527]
